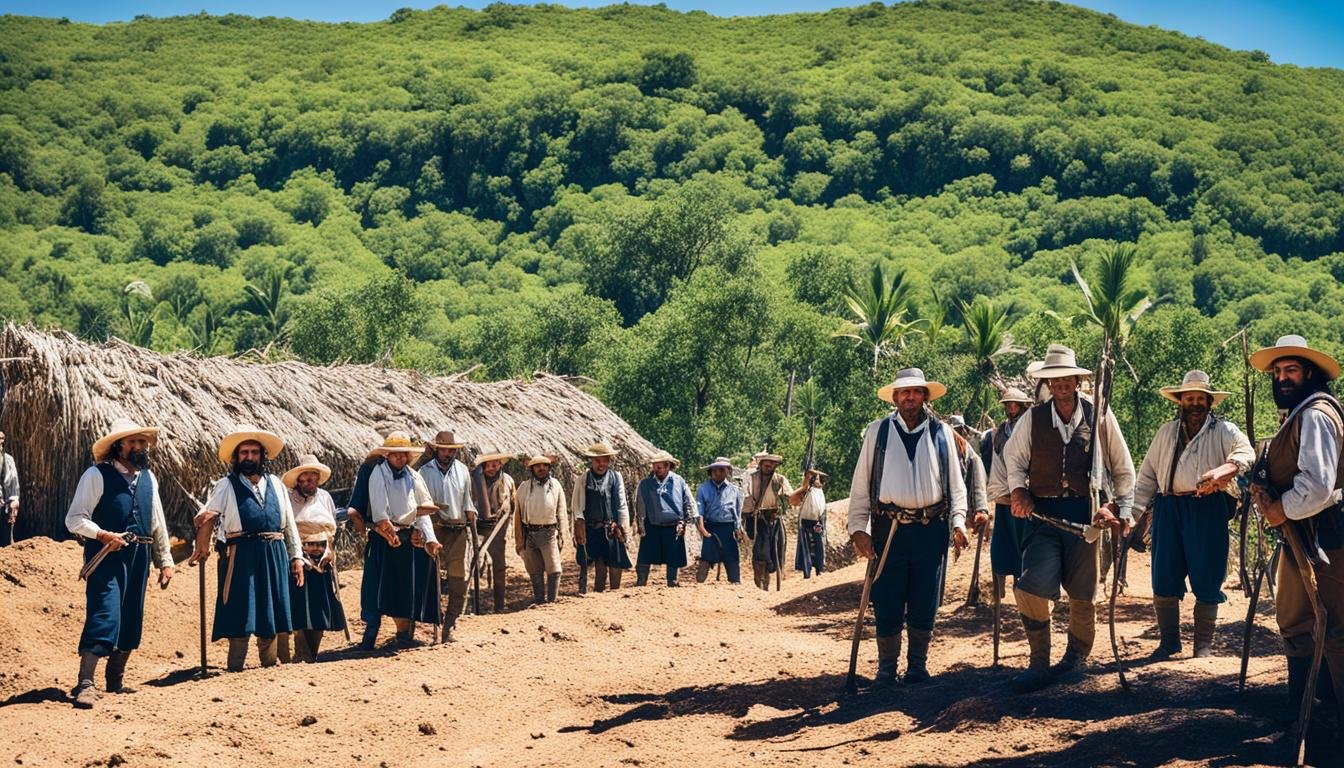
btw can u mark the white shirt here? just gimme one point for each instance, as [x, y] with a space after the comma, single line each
[620, 508]
[79, 519]
[1120, 466]
[814, 505]
[396, 499]
[315, 516]
[9, 478]
[540, 504]
[996, 485]
[450, 490]
[906, 484]
[1215, 444]
[223, 503]
[1317, 463]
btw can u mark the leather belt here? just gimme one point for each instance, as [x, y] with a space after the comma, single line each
[528, 527]
[904, 516]
[131, 539]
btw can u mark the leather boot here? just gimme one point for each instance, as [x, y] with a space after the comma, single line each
[1299, 667]
[539, 589]
[600, 576]
[314, 639]
[672, 577]
[499, 593]
[701, 572]
[1037, 674]
[237, 654]
[1206, 620]
[552, 587]
[84, 694]
[1082, 633]
[1168, 611]
[267, 650]
[301, 652]
[282, 647]
[614, 577]
[917, 656]
[888, 651]
[583, 579]
[370, 639]
[116, 672]
[457, 598]
[761, 574]
[641, 575]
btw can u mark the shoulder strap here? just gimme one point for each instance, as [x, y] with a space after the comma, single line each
[936, 430]
[879, 463]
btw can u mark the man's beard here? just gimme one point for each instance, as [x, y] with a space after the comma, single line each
[305, 493]
[249, 467]
[138, 459]
[1288, 396]
[1192, 417]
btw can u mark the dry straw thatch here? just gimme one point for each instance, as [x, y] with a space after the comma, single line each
[61, 394]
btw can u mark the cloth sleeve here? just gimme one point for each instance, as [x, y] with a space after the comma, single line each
[957, 483]
[79, 519]
[378, 505]
[1239, 450]
[217, 505]
[1146, 486]
[692, 509]
[1120, 465]
[162, 551]
[578, 498]
[860, 506]
[10, 480]
[622, 506]
[287, 524]
[1317, 463]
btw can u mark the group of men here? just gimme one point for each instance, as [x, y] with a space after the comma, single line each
[909, 490]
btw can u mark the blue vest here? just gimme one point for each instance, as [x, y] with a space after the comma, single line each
[256, 516]
[671, 498]
[121, 509]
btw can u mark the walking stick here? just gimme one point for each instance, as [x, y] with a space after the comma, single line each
[1250, 620]
[438, 600]
[336, 586]
[973, 594]
[874, 568]
[998, 587]
[475, 569]
[1308, 574]
[200, 570]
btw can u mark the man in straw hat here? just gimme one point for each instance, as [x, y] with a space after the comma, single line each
[1297, 481]
[906, 492]
[357, 512]
[601, 520]
[256, 535]
[810, 498]
[313, 605]
[1005, 545]
[399, 558]
[449, 485]
[720, 506]
[538, 533]
[663, 507]
[764, 490]
[492, 493]
[117, 513]
[1048, 461]
[9, 495]
[1186, 479]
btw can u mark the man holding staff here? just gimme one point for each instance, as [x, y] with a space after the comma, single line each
[449, 485]
[492, 493]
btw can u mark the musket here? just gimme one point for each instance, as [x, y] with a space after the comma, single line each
[1088, 533]
[1102, 394]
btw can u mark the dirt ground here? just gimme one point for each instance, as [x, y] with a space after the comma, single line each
[640, 677]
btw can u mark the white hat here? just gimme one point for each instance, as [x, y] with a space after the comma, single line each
[541, 459]
[908, 378]
[1059, 362]
[599, 449]
[244, 433]
[664, 456]
[721, 462]
[1194, 381]
[120, 428]
[1015, 395]
[307, 463]
[1294, 346]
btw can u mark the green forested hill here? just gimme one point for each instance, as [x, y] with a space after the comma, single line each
[670, 204]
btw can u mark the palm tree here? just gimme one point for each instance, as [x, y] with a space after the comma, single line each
[264, 301]
[137, 319]
[879, 307]
[811, 401]
[987, 326]
[205, 334]
[1114, 305]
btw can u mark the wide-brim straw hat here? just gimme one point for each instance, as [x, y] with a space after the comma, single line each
[244, 433]
[721, 462]
[1293, 345]
[599, 449]
[1194, 381]
[483, 458]
[445, 439]
[397, 442]
[1060, 361]
[120, 428]
[1015, 395]
[542, 459]
[909, 378]
[307, 463]
[775, 457]
[664, 456]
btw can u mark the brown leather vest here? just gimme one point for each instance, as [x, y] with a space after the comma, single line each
[1284, 446]
[1056, 468]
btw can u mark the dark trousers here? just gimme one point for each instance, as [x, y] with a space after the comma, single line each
[1005, 545]
[1190, 540]
[906, 591]
[721, 547]
[1052, 558]
[114, 599]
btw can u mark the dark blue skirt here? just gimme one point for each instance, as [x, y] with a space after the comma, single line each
[721, 534]
[599, 547]
[660, 546]
[768, 541]
[314, 605]
[259, 595]
[114, 599]
[388, 576]
[809, 552]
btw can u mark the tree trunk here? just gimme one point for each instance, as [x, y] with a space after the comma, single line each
[788, 395]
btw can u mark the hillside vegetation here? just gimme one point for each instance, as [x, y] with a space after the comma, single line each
[672, 205]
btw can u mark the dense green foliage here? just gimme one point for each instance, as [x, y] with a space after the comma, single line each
[673, 205]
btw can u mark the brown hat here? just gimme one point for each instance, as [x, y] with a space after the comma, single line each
[445, 439]
[599, 449]
[664, 456]
[541, 459]
[499, 456]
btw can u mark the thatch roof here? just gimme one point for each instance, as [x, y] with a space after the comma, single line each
[61, 394]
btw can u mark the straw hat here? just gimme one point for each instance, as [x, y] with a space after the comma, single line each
[775, 457]
[1060, 361]
[445, 439]
[721, 462]
[535, 460]
[599, 449]
[1015, 395]
[664, 456]
[908, 378]
[483, 458]
[1294, 346]
[243, 433]
[120, 428]
[307, 463]
[396, 442]
[1194, 381]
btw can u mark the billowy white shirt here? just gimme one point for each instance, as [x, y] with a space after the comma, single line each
[450, 490]
[1115, 454]
[9, 478]
[315, 515]
[1215, 444]
[396, 500]
[814, 505]
[1317, 463]
[906, 484]
[222, 502]
[79, 518]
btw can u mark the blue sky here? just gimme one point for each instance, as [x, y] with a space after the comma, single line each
[1303, 32]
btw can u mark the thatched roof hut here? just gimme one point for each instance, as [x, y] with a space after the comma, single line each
[61, 393]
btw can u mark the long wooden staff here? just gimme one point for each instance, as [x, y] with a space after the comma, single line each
[1308, 574]
[874, 569]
